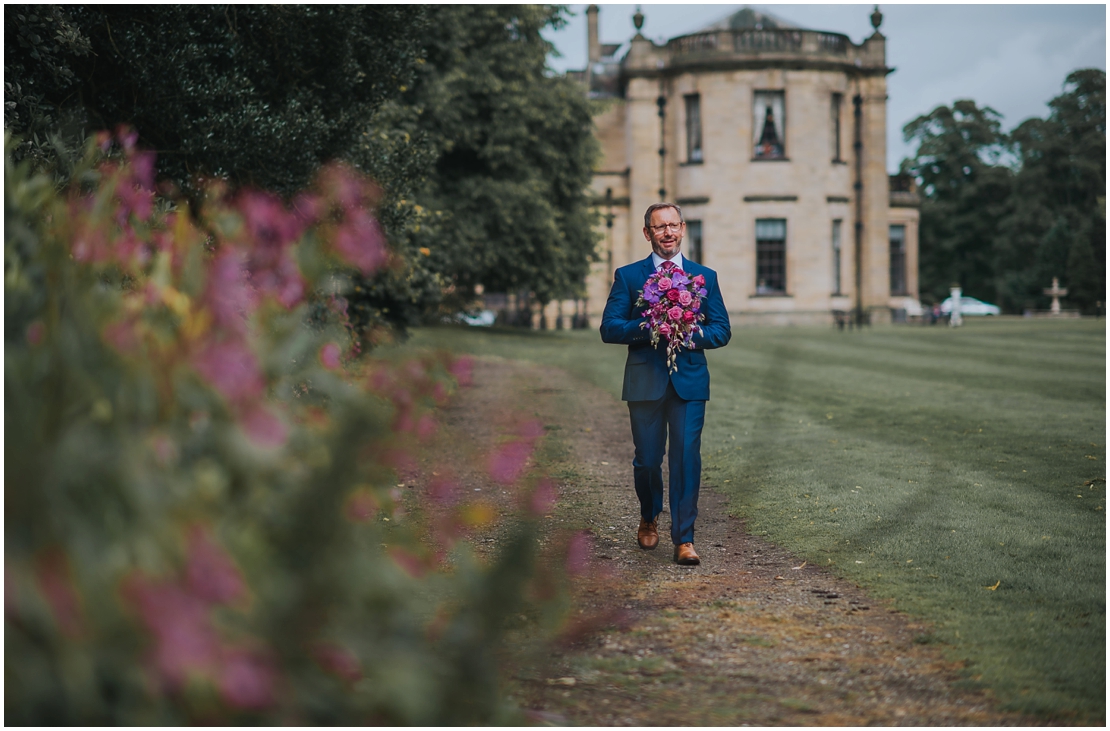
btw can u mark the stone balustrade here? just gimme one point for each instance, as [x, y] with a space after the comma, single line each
[751, 43]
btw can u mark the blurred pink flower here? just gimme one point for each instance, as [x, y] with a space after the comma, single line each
[231, 368]
[439, 393]
[142, 174]
[675, 313]
[210, 572]
[685, 298]
[462, 369]
[307, 208]
[508, 462]
[247, 679]
[444, 491]
[688, 317]
[664, 284]
[543, 497]
[329, 356]
[55, 580]
[530, 430]
[228, 294]
[664, 329]
[578, 553]
[263, 427]
[361, 506]
[184, 641]
[425, 427]
[35, 332]
[337, 660]
[359, 241]
[409, 562]
[126, 136]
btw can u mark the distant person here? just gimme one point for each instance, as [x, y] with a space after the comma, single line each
[659, 401]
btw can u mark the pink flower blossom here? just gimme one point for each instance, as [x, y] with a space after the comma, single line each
[359, 241]
[184, 641]
[673, 295]
[688, 317]
[508, 462]
[35, 332]
[55, 580]
[210, 572]
[425, 427]
[263, 427]
[409, 562]
[578, 553]
[664, 284]
[361, 506]
[699, 281]
[232, 370]
[247, 679]
[329, 356]
[543, 498]
[664, 329]
[675, 313]
[228, 295]
[531, 430]
[463, 370]
[685, 298]
[337, 660]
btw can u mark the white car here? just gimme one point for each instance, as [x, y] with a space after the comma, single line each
[483, 318]
[969, 306]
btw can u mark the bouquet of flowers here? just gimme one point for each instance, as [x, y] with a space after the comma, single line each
[673, 302]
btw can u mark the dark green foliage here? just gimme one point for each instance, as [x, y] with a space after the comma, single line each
[1002, 214]
[965, 194]
[260, 94]
[1058, 224]
[515, 154]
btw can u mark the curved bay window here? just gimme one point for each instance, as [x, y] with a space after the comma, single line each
[770, 256]
[769, 126]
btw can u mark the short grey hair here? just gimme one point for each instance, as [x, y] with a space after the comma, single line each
[657, 206]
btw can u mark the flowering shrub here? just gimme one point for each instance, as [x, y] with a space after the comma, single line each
[199, 470]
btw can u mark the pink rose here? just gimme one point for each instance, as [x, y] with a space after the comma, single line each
[699, 281]
[685, 298]
[675, 313]
[665, 330]
[689, 316]
[673, 295]
[664, 284]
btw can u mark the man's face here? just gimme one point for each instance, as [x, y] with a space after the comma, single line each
[666, 232]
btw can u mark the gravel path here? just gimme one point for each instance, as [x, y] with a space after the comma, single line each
[752, 636]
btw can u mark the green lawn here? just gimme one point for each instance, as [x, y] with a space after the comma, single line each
[945, 469]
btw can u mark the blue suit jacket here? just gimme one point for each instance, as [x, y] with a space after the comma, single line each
[645, 371]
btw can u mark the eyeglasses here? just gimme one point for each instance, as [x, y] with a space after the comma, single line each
[672, 227]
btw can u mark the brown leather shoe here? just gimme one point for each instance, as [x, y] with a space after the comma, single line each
[648, 534]
[685, 555]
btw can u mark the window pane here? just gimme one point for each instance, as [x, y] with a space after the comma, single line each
[692, 249]
[768, 125]
[898, 259]
[770, 252]
[693, 128]
[834, 125]
[836, 225]
[770, 228]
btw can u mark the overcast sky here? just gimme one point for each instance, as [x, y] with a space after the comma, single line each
[1012, 58]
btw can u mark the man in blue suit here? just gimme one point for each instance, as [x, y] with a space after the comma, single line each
[659, 400]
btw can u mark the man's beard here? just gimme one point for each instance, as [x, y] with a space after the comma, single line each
[657, 246]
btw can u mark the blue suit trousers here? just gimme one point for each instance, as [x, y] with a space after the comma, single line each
[651, 422]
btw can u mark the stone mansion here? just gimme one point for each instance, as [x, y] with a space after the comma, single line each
[772, 139]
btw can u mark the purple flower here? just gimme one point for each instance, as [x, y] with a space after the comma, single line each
[232, 370]
[211, 573]
[703, 292]
[679, 279]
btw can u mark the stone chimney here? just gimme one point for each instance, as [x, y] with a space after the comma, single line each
[593, 44]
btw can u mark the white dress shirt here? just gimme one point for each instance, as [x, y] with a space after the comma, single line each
[658, 261]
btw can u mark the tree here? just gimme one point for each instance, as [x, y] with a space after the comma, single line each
[965, 194]
[262, 95]
[515, 155]
[1057, 227]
